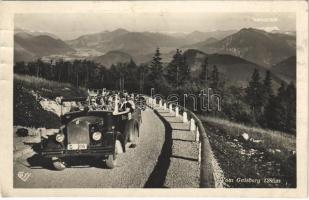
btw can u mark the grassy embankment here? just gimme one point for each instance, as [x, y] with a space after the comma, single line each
[267, 155]
[28, 91]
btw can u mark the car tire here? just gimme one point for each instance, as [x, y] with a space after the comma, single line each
[111, 160]
[118, 147]
[58, 164]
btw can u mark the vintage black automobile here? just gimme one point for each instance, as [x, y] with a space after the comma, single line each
[100, 134]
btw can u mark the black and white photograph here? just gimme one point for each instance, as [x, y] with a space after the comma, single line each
[155, 99]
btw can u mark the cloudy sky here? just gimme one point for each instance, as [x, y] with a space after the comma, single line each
[70, 26]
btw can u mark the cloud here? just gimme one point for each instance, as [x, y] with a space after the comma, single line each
[270, 28]
[268, 19]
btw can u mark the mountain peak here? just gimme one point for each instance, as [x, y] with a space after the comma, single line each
[120, 30]
[254, 45]
[252, 30]
[197, 32]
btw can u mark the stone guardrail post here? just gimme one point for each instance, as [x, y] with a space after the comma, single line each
[192, 125]
[177, 111]
[171, 108]
[164, 106]
[197, 135]
[184, 117]
[160, 103]
[199, 152]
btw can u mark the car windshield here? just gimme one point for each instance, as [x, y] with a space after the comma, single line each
[73, 106]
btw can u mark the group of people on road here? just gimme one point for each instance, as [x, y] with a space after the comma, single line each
[117, 102]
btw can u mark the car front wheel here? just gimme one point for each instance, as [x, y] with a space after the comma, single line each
[58, 164]
[111, 160]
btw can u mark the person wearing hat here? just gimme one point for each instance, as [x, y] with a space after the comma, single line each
[122, 103]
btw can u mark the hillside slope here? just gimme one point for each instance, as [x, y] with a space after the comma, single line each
[28, 47]
[265, 154]
[112, 57]
[29, 91]
[286, 69]
[234, 70]
[254, 45]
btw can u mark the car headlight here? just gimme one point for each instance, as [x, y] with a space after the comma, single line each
[96, 135]
[59, 137]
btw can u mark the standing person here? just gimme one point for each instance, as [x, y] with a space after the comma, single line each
[109, 105]
[130, 103]
[122, 103]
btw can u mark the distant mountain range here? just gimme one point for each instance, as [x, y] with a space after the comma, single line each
[198, 36]
[254, 45]
[137, 44]
[28, 47]
[258, 46]
[201, 45]
[34, 33]
[236, 53]
[234, 69]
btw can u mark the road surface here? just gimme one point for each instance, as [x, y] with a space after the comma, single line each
[135, 169]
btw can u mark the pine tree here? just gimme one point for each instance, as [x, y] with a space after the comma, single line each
[130, 76]
[204, 73]
[142, 72]
[173, 69]
[267, 94]
[177, 71]
[282, 108]
[156, 68]
[291, 108]
[254, 93]
[155, 77]
[280, 113]
[267, 86]
[184, 70]
[275, 114]
[214, 78]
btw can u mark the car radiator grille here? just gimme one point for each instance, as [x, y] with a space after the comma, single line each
[78, 132]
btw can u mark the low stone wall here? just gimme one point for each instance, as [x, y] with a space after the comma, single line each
[205, 158]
